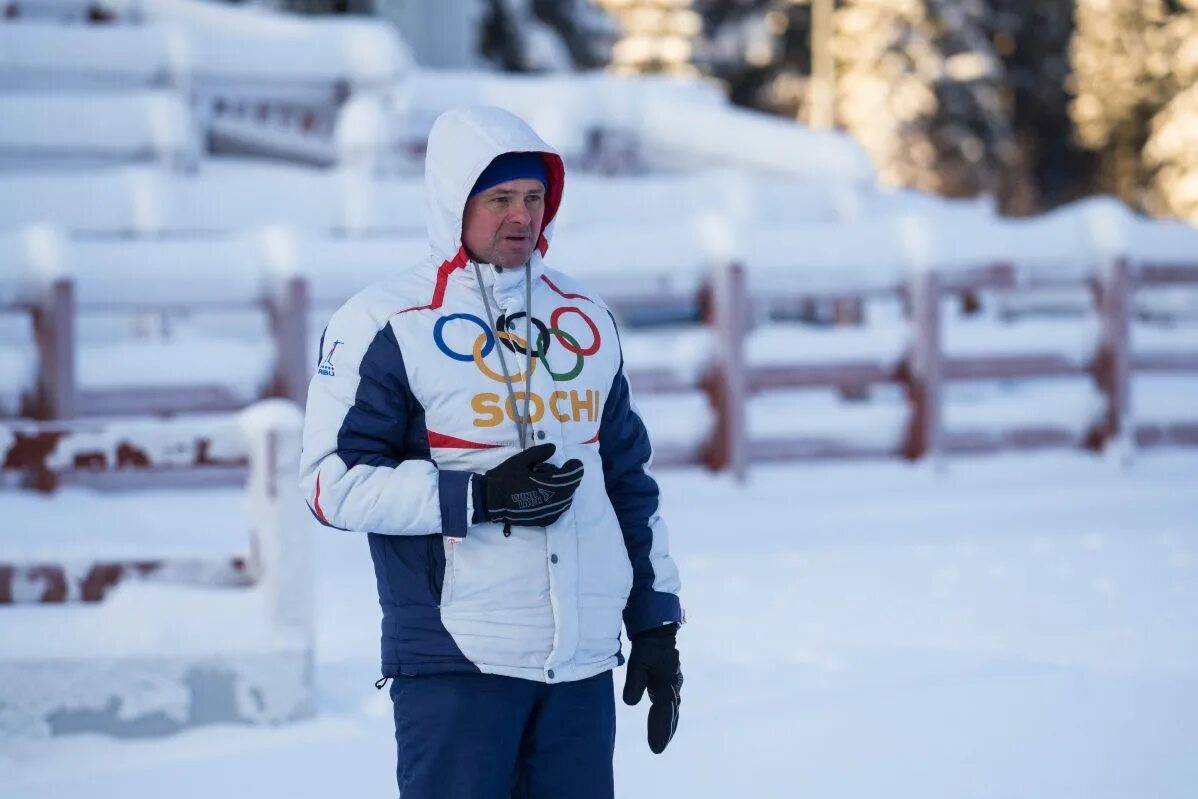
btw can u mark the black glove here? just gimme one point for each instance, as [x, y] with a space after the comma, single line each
[526, 491]
[653, 664]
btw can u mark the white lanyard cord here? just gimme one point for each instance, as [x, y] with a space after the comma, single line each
[523, 422]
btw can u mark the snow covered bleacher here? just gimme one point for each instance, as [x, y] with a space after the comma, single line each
[46, 131]
[42, 56]
[224, 198]
[670, 125]
[72, 12]
[248, 82]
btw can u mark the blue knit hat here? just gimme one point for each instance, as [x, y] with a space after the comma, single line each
[511, 166]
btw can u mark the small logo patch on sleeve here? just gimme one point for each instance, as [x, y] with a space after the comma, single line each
[326, 367]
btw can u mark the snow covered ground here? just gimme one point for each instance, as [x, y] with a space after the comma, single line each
[1013, 626]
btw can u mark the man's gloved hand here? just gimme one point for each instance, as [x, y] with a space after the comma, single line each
[526, 491]
[653, 664]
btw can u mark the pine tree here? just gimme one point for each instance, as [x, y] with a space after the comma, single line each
[1033, 41]
[1171, 152]
[1172, 156]
[655, 36]
[760, 49]
[920, 86]
[1135, 64]
[585, 29]
[545, 35]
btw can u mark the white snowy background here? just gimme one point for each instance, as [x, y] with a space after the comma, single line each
[1001, 626]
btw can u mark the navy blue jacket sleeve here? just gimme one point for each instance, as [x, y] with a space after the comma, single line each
[626, 453]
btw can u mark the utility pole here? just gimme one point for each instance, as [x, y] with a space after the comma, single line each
[821, 103]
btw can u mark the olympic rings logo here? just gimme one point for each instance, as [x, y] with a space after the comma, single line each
[546, 335]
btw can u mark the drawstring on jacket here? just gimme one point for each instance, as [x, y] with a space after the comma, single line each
[523, 421]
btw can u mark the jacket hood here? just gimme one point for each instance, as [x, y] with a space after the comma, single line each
[463, 142]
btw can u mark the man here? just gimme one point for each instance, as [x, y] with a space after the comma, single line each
[471, 415]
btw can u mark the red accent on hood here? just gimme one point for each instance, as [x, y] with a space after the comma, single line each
[553, 195]
[316, 502]
[593, 438]
[458, 262]
[450, 442]
[564, 294]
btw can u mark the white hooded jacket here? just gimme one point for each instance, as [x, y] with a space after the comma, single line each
[409, 402]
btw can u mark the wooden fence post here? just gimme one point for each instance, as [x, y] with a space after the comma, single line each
[288, 310]
[54, 334]
[281, 551]
[924, 372]
[729, 304]
[1113, 365]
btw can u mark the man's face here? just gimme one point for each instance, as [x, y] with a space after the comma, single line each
[501, 225]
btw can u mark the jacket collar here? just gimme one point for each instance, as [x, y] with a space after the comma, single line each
[506, 285]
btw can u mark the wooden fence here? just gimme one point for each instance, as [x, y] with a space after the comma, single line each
[925, 370]
[255, 450]
[728, 306]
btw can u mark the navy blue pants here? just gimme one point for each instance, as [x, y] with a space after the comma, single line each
[482, 736]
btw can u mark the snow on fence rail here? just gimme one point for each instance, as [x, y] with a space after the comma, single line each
[921, 362]
[224, 199]
[285, 278]
[249, 449]
[223, 601]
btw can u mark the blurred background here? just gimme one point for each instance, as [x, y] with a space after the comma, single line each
[909, 295]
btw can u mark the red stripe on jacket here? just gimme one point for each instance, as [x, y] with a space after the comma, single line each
[443, 272]
[316, 502]
[564, 294]
[451, 442]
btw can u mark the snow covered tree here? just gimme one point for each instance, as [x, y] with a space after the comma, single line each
[1032, 39]
[1172, 156]
[545, 35]
[655, 36]
[1171, 152]
[1135, 65]
[760, 49]
[920, 86]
